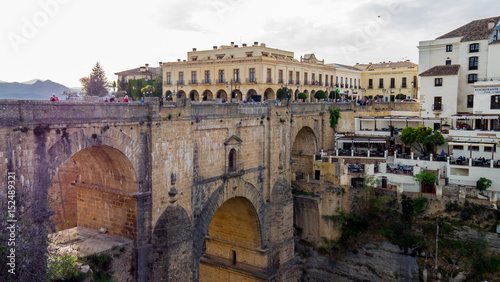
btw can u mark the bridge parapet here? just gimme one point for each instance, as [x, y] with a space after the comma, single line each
[15, 112]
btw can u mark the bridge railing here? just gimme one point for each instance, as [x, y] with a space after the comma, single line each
[14, 112]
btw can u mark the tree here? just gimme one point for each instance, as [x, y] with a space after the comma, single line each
[427, 179]
[483, 184]
[422, 139]
[320, 94]
[400, 96]
[302, 96]
[114, 86]
[96, 83]
[280, 91]
[70, 93]
[334, 95]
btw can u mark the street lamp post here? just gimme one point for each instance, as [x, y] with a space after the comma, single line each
[284, 92]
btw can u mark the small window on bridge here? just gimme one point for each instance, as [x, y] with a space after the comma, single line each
[232, 161]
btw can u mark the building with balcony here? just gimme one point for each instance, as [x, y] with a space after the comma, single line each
[388, 79]
[348, 80]
[454, 65]
[144, 72]
[255, 72]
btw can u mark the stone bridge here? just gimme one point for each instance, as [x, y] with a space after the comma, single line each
[203, 189]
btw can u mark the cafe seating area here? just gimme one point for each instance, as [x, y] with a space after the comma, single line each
[400, 169]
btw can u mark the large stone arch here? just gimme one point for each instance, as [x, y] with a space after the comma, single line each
[95, 188]
[305, 145]
[230, 189]
[171, 258]
[135, 151]
[66, 147]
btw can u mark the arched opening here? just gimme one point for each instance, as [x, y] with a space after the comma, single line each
[168, 95]
[237, 94]
[231, 167]
[194, 96]
[207, 95]
[308, 96]
[92, 193]
[221, 94]
[252, 95]
[296, 95]
[311, 98]
[269, 94]
[233, 245]
[181, 95]
[303, 149]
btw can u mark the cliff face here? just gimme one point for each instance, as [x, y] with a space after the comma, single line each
[372, 262]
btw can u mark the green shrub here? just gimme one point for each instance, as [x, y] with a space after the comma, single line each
[320, 94]
[302, 96]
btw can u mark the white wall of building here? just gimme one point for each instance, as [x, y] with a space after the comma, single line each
[447, 91]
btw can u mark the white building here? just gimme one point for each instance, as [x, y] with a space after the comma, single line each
[452, 63]
[348, 80]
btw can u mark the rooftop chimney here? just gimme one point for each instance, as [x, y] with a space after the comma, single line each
[194, 49]
[215, 47]
[491, 24]
[256, 43]
[232, 43]
[147, 67]
[235, 46]
[263, 44]
[244, 45]
[178, 60]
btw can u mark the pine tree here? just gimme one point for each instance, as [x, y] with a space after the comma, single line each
[95, 84]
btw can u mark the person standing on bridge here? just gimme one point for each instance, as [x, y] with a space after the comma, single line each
[125, 99]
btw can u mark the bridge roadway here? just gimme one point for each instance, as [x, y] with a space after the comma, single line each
[203, 189]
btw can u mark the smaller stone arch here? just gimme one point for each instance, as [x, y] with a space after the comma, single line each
[181, 95]
[269, 94]
[207, 95]
[221, 94]
[168, 95]
[253, 95]
[237, 94]
[194, 96]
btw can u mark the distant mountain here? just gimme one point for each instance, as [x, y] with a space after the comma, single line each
[31, 90]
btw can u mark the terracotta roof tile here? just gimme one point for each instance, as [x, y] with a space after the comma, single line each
[475, 30]
[442, 70]
[391, 65]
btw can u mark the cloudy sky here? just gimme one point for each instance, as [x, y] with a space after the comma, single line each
[61, 40]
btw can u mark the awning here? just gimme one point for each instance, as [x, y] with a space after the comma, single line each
[475, 117]
[349, 140]
[399, 119]
[471, 144]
